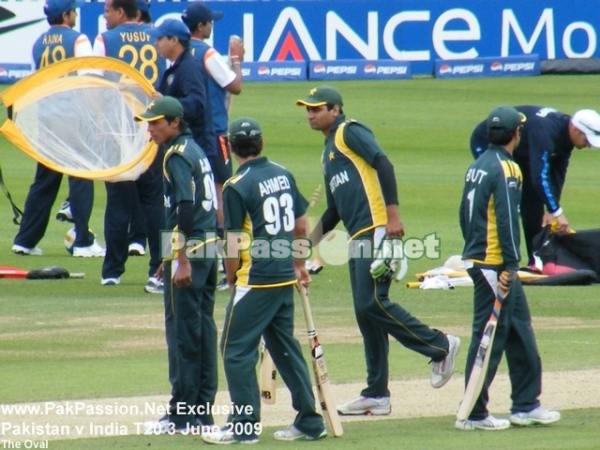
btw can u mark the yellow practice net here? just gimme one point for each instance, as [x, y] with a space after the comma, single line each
[77, 117]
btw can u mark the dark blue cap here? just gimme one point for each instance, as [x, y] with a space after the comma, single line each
[173, 28]
[199, 12]
[56, 8]
[143, 6]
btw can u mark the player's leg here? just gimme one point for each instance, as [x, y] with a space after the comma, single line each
[532, 214]
[287, 356]
[116, 221]
[208, 374]
[484, 296]
[522, 356]
[372, 302]
[189, 348]
[81, 195]
[38, 205]
[247, 315]
[150, 192]
[137, 230]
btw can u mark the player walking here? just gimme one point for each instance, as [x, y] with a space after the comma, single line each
[361, 192]
[490, 226]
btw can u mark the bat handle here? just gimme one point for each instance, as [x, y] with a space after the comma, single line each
[77, 275]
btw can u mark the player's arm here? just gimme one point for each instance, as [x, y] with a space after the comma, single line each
[362, 142]
[194, 96]
[229, 78]
[180, 176]
[235, 213]
[507, 219]
[540, 170]
[99, 49]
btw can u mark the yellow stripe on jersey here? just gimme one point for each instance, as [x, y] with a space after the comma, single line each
[511, 170]
[243, 272]
[174, 148]
[369, 178]
[493, 254]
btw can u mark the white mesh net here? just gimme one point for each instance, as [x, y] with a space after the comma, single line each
[84, 122]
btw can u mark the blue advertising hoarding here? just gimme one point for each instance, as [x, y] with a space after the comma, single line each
[417, 31]
[358, 70]
[513, 66]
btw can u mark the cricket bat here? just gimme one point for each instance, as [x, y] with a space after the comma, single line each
[332, 420]
[482, 361]
[47, 273]
[268, 377]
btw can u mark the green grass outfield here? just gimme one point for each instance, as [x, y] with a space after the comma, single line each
[73, 339]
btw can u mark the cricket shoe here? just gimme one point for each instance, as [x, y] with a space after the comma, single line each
[442, 371]
[64, 214]
[165, 426]
[20, 250]
[538, 416]
[136, 249]
[490, 423]
[364, 406]
[93, 251]
[223, 285]
[292, 433]
[154, 286]
[110, 281]
[225, 436]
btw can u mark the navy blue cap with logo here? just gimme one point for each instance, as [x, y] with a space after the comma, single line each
[55, 8]
[199, 12]
[173, 28]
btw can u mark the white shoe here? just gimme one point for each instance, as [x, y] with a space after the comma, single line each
[136, 249]
[64, 214]
[225, 436]
[539, 416]
[93, 251]
[110, 281]
[362, 406]
[154, 286]
[442, 371]
[20, 250]
[490, 423]
[292, 433]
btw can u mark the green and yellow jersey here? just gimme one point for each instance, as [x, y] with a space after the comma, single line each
[188, 177]
[347, 162]
[489, 210]
[262, 201]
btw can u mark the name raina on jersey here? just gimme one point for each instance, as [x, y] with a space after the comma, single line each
[52, 39]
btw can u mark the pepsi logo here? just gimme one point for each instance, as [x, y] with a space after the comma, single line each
[319, 68]
[263, 70]
[496, 66]
[3, 72]
[370, 68]
[445, 69]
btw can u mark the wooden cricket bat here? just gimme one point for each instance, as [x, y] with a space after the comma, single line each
[268, 377]
[482, 361]
[330, 414]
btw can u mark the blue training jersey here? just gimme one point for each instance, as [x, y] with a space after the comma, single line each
[217, 94]
[54, 45]
[133, 43]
